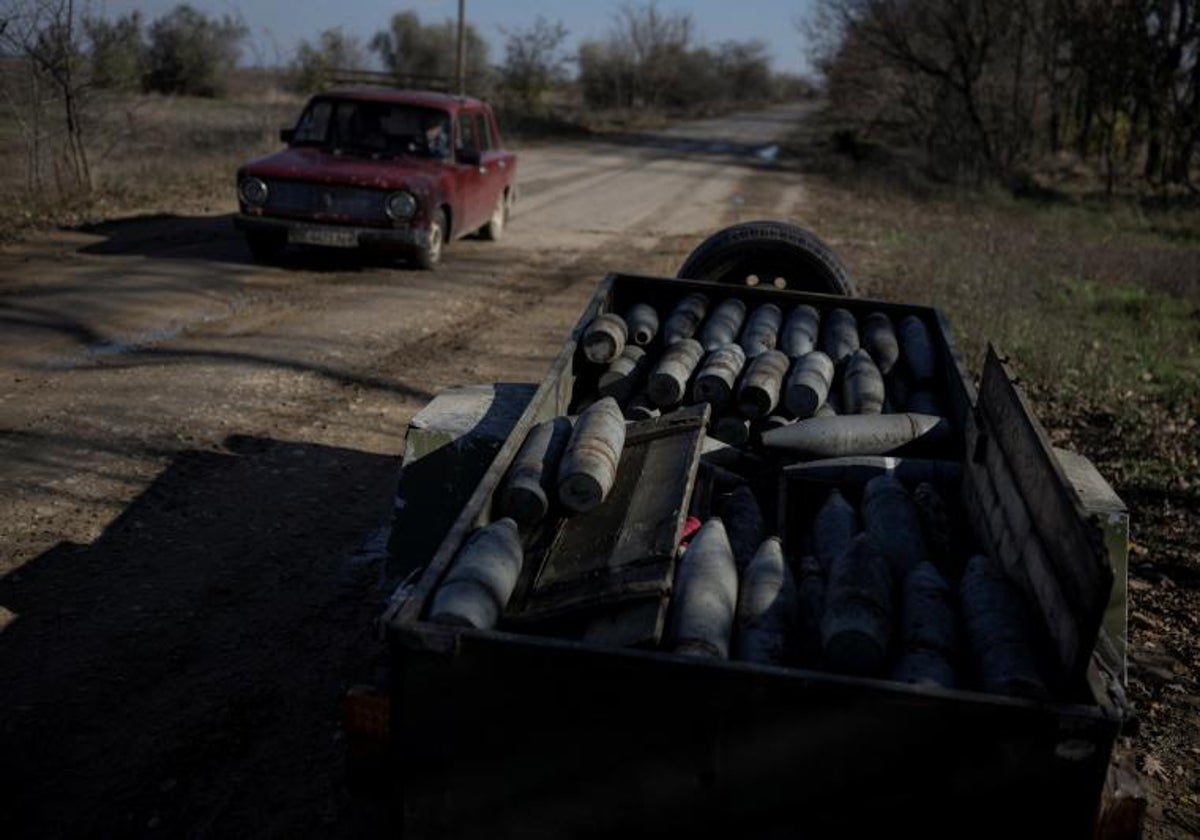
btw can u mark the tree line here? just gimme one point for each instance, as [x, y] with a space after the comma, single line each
[987, 88]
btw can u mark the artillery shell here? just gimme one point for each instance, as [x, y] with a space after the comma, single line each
[624, 374]
[879, 339]
[825, 410]
[810, 595]
[839, 334]
[860, 469]
[834, 528]
[642, 320]
[604, 338]
[530, 484]
[927, 612]
[891, 518]
[857, 434]
[940, 534]
[685, 318]
[589, 465]
[761, 332]
[731, 429]
[766, 613]
[640, 408]
[669, 381]
[705, 600]
[996, 619]
[743, 521]
[799, 336]
[862, 385]
[808, 384]
[759, 391]
[715, 381]
[856, 629]
[482, 578]
[918, 348]
[723, 324]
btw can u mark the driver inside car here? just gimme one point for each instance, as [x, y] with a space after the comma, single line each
[437, 137]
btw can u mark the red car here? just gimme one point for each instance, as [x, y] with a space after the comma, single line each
[400, 170]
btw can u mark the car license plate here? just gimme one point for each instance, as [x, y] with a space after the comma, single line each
[329, 237]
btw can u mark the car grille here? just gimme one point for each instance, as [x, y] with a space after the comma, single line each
[320, 201]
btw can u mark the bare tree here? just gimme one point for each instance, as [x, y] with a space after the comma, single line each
[45, 34]
[534, 60]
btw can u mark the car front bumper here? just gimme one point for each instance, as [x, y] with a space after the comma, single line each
[335, 236]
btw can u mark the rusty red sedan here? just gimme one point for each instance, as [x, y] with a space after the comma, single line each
[404, 171]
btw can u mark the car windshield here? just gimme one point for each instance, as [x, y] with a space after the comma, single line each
[374, 129]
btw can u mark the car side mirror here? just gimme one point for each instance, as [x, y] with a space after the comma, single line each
[470, 157]
[286, 134]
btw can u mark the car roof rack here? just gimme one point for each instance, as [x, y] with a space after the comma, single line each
[437, 84]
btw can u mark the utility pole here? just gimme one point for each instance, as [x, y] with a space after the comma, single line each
[460, 71]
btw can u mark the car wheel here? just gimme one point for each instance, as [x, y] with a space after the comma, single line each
[494, 228]
[266, 246]
[431, 254]
[768, 252]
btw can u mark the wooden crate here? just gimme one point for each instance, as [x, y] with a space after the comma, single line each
[502, 734]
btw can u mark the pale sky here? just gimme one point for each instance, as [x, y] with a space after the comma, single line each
[278, 26]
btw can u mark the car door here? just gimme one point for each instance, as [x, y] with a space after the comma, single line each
[494, 162]
[470, 174]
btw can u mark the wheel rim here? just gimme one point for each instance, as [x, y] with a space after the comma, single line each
[435, 242]
[498, 214]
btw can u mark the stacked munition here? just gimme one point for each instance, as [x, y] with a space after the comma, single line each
[862, 385]
[641, 407]
[879, 339]
[482, 578]
[706, 593]
[604, 339]
[839, 334]
[526, 494]
[927, 629]
[759, 391]
[731, 429]
[669, 381]
[808, 385]
[762, 330]
[685, 318]
[856, 629]
[589, 465]
[723, 326]
[715, 381]
[857, 434]
[624, 374]
[835, 527]
[744, 525]
[642, 321]
[891, 518]
[801, 331]
[994, 615]
[766, 613]
[918, 349]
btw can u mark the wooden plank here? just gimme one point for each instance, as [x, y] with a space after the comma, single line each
[1073, 546]
[629, 625]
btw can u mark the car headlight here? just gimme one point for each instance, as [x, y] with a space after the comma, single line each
[401, 206]
[253, 191]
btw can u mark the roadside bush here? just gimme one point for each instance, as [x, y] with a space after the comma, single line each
[190, 53]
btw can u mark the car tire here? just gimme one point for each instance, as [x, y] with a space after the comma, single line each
[768, 252]
[431, 254]
[266, 246]
[494, 229]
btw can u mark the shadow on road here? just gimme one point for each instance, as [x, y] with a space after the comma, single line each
[182, 675]
[215, 239]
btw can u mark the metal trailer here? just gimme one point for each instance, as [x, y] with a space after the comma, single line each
[512, 733]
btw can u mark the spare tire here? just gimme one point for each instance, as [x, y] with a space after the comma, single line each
[771, 253]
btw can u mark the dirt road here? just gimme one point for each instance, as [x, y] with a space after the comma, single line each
[197, 459]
